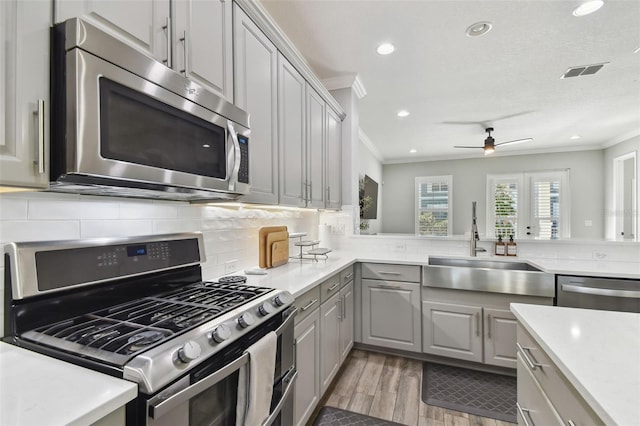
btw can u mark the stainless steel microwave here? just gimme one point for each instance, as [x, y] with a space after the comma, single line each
[124, 124]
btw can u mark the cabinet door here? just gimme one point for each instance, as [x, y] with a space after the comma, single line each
[453, 331]
[139, 23]
[307, 392]
[500, 337]
[329, 341]
[256, 91]
[24, 93]
[333, 183]
[315, 148]
[391, 314]
[346, 320]
[291, 131]
[533, 406]
[202, 43]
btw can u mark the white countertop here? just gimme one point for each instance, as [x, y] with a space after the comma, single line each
[597, 351]
[39, 390]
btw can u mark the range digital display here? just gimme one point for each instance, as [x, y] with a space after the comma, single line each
[139, 250]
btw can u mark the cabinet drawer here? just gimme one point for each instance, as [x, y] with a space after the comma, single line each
[307, 303]
[534, 408]
[346, 275]
[384, 271]
[329, 287]
[566, 400]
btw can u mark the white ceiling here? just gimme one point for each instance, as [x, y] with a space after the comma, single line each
[509, 78]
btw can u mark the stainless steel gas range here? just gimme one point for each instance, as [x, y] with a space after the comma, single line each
[137, 308]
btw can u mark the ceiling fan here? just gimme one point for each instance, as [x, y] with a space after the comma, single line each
[490, 144]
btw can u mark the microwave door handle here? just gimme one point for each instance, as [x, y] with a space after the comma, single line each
[285, 395]
[235, 157]
[158, 410]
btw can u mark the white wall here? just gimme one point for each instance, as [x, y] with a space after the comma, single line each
[469, 184]
[229, 233]
[369, 165]
[625, 147]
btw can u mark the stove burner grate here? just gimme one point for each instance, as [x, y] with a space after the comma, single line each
[232, 279]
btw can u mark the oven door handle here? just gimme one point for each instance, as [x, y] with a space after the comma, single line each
[600, 291]
[285, 396]
[158, 410]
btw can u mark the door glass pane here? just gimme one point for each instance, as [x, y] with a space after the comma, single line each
[136, 128]
[506, 209]
[546, 208]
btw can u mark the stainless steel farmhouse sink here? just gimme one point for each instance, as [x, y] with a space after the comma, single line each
[488, 275]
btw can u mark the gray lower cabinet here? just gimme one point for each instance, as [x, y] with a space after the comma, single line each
[329, 340]
[346, 320]
[452, 330]
[307, 391]
[391, 314]
[533, 406]
[499, 337]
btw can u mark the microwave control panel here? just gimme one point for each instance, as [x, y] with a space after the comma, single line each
[243, 173]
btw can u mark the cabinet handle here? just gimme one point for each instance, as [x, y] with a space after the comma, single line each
[305, 191]
[478, 324]
[571, 423]
[167, 28]
[328, 194]
[310, 192]
[308, 305]
[522, 412]
[40, 126]
[344, 307]
[389, 273]
[333, 287]
[348, 277]
[489, 326]
[340, 314]
[185, 54]
[532, 365]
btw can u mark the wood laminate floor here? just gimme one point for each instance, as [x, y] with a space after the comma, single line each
[388, 387]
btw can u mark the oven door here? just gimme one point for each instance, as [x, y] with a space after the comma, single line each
[212, 399]
[122, 126]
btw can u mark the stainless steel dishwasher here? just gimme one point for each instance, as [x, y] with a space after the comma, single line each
[608, 294]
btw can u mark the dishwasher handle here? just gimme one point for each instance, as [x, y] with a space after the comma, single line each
[570, 288]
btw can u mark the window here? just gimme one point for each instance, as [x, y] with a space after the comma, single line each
[433, 205]
[529, 205]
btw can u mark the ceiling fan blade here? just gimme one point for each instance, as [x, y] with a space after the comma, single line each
[515, 141]
[457, 146]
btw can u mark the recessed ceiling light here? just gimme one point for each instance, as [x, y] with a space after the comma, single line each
[413, 151]
[403, 113]
[588, 7]
[637, 50]
[574, 137]
[385, 48]
[478, 29]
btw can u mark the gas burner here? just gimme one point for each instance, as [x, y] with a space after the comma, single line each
[233, 279]
[143, 339]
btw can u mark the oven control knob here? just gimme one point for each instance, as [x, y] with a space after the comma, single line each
[283, 299]
[265, 309]
[189, 351]
[220, 334]
[246, 319]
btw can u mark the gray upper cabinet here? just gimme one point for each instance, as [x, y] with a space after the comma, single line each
[194, 37]
[333, 182]
[391, 314]
[145, 25]
[313, 172]
[291, 131]
[24, 92]
[256, 91]
[202, 43]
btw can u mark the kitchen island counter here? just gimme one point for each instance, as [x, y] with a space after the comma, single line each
[39, 390]
[597, 351]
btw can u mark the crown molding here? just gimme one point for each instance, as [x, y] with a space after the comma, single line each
[370, 146]
[351, 80]
[263, 20]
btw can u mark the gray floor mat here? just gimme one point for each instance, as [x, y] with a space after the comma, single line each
[330, 416]
[470, 391]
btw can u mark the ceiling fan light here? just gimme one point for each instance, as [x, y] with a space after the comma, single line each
[488, 150]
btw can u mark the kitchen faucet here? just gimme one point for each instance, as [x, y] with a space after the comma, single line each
[474, 232]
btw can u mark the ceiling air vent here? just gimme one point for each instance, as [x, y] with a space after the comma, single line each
[583, 70]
